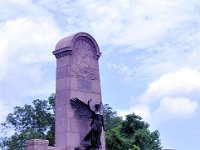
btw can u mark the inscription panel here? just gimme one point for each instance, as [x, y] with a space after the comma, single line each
[84, 85]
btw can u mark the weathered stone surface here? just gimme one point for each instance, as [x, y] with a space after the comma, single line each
[77, 75]
[40, 144]
[37, 144]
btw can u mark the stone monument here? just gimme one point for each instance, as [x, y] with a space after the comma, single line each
[77, 75]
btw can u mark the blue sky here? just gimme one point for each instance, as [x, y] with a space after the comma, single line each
[149, 64]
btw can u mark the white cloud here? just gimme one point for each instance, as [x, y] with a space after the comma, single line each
[29, 33]
[26, 54]
[174, 92]
[139, 109]
[178, 107]
[125, 71]
[25, 41]
[138, 23]
[5, 109]
[173, 95]
[184, 82]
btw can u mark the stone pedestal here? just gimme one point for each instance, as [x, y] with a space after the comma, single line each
[77, 75]
[37, 144]
[40, 144]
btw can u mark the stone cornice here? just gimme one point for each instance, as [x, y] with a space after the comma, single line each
[62, 52]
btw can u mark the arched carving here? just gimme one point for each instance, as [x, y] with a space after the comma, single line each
[66, 45]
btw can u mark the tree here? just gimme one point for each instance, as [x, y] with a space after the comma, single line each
[38, 121]
[28, 122]
[147, 140]
[132, 134]
[111, 118]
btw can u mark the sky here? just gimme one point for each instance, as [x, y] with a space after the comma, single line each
[149, 64]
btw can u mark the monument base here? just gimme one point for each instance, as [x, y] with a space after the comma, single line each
[40, 144]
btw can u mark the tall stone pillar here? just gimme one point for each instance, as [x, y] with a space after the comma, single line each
[77, 75]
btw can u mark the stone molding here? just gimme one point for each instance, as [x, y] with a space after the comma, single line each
[62, 52]
[66, 45]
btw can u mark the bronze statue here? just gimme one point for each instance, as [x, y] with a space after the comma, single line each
[93, 139]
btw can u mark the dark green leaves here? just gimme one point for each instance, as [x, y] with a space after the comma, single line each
[30, 121]
[38, 121]
[129, 134]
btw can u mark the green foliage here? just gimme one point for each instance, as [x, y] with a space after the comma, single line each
[147, 140]
[134, 148]
[131, 124]
[111, 118]
[38, 121]
[132, 134]
[17, 141]
[28, 122]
